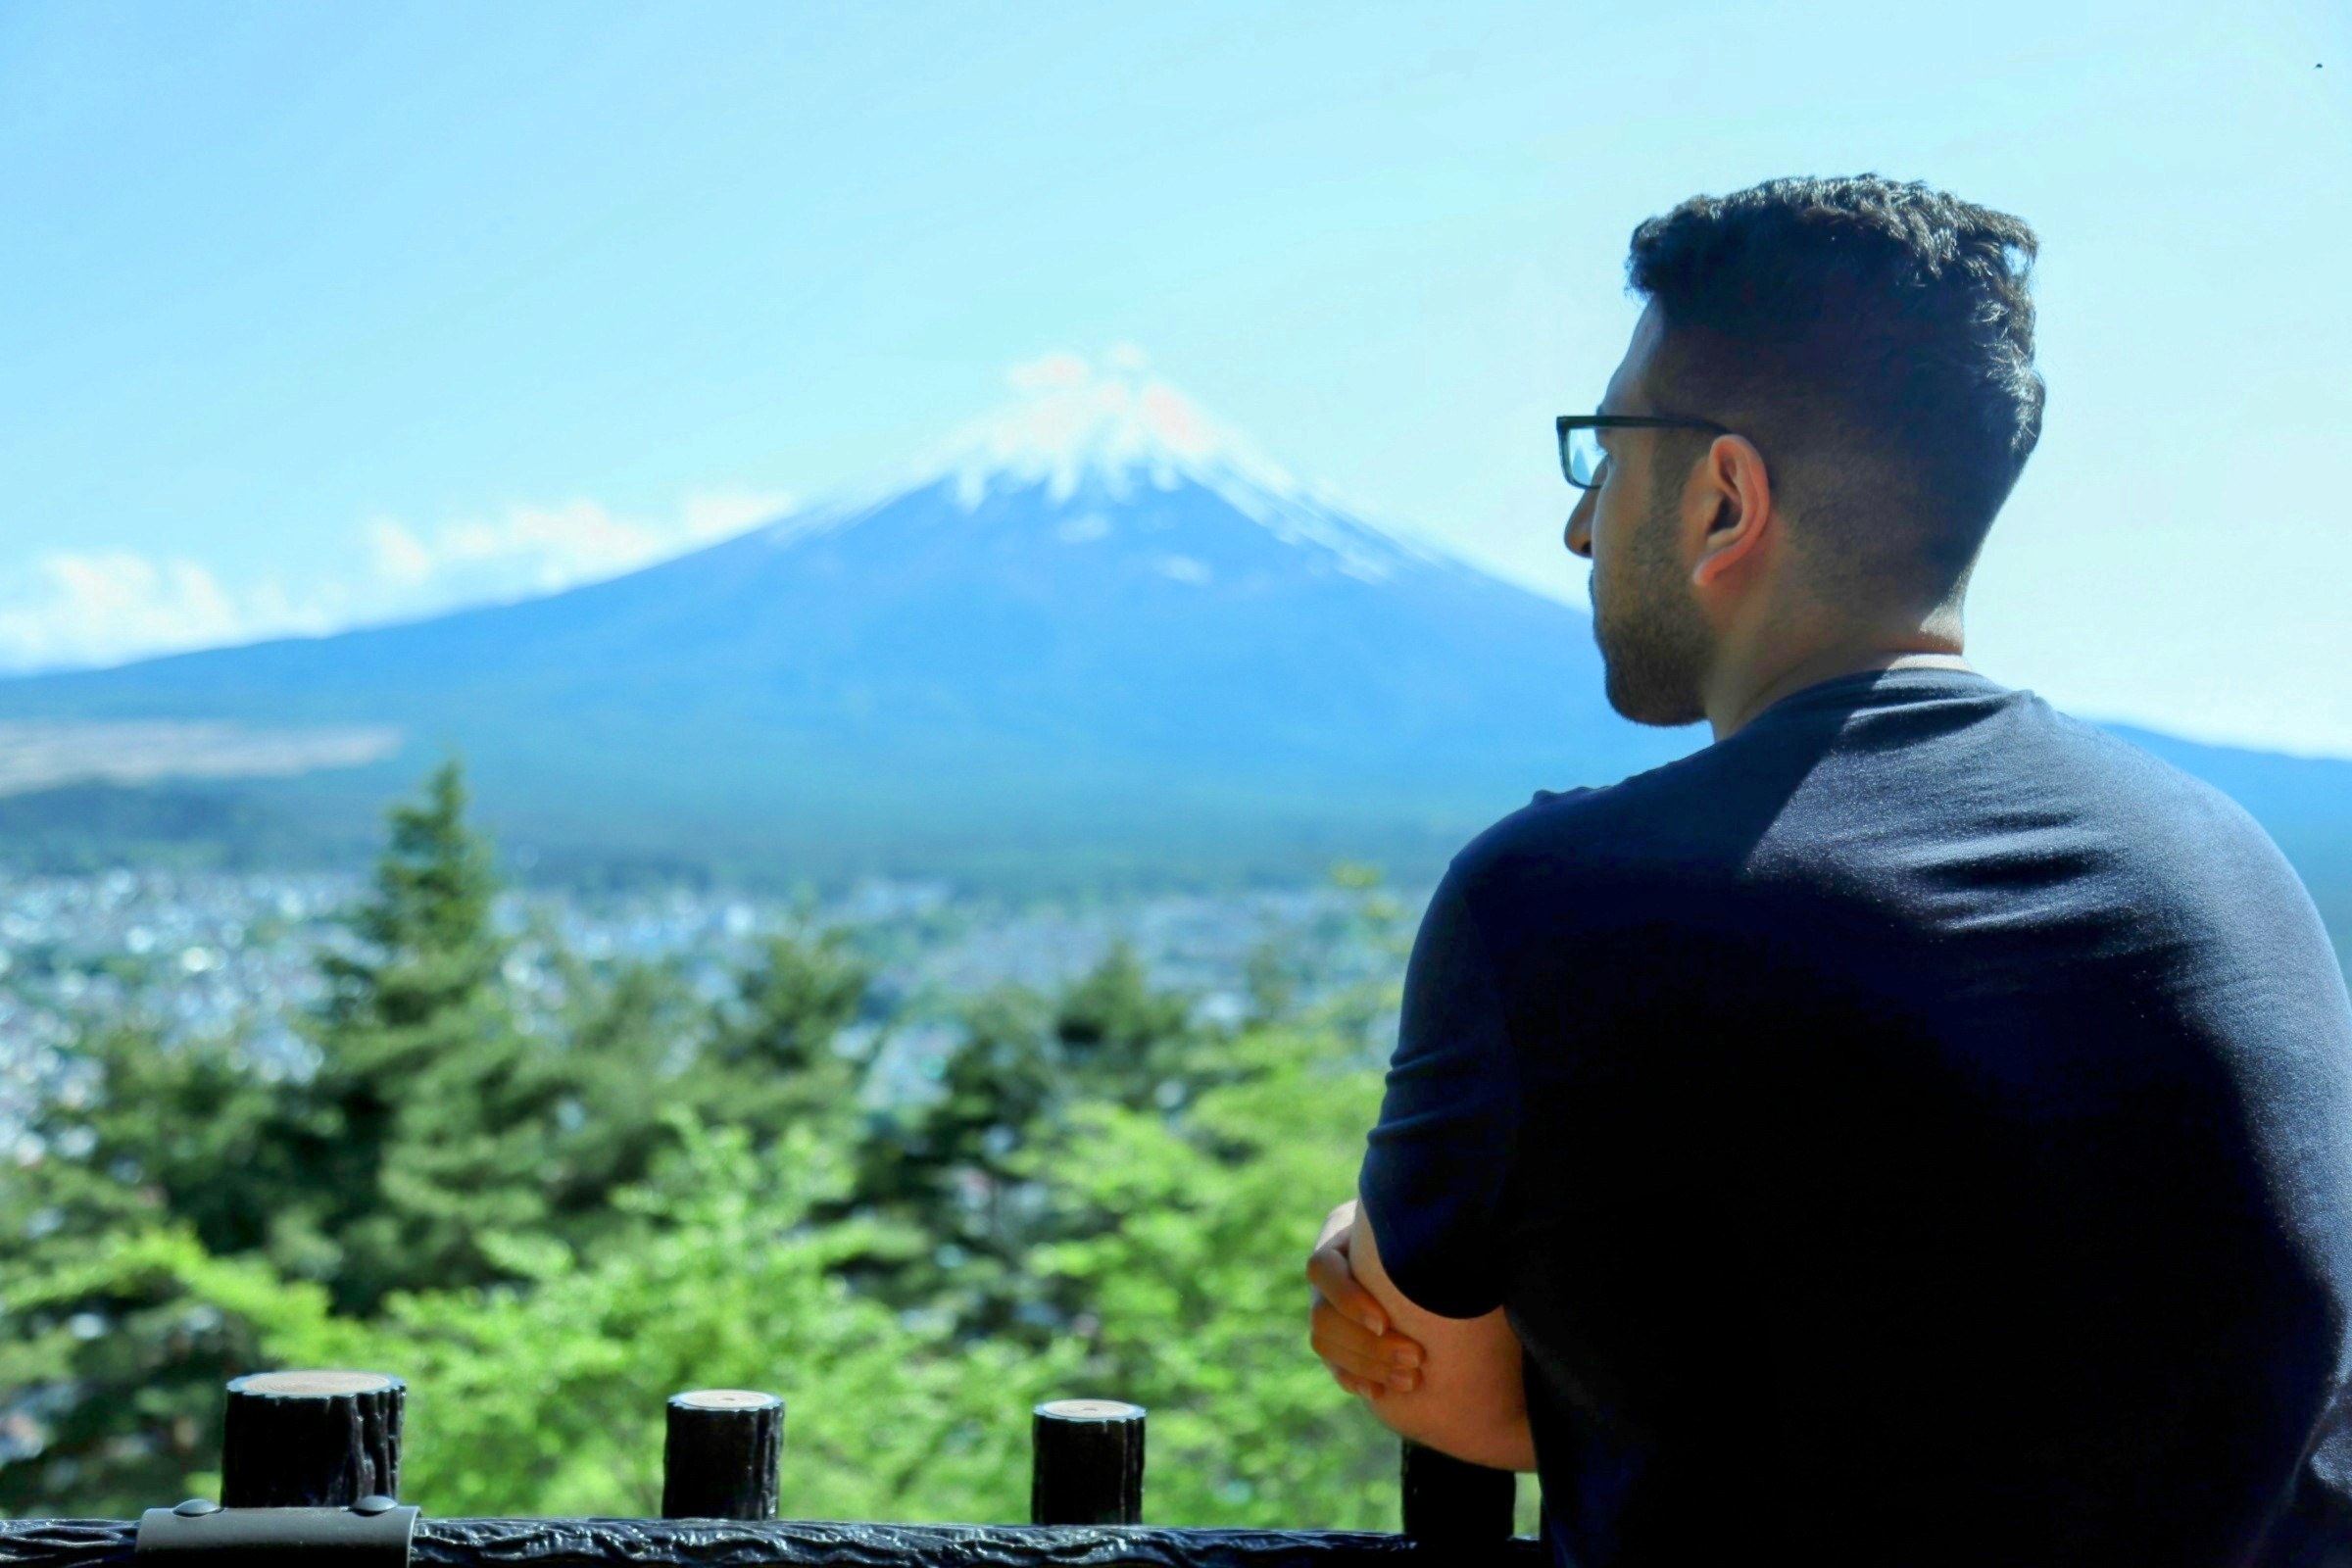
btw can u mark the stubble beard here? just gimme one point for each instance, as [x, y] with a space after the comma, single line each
[1654, 642]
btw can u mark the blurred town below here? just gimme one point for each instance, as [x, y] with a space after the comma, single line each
[215, 956]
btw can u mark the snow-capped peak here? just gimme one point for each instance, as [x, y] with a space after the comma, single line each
[1071, 420]
[1116, 427]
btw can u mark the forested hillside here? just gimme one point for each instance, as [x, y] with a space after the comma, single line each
[547, 1232]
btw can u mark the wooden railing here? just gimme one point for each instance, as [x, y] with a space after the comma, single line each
[310, 1479]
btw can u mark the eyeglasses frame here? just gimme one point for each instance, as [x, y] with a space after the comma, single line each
[1622, 421]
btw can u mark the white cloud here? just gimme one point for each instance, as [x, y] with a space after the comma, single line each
[528, 549]
[719, 513]
[537, 550]
[70, 608]
[400, 556]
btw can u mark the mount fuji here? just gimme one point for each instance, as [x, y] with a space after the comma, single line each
[1093, 638]
[1096, 632]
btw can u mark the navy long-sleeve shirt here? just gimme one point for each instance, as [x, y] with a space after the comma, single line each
[1914, 1130]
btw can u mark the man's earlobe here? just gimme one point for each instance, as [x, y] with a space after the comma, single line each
[1729, 539]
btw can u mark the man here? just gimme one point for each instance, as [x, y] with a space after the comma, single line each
[1917, 1128]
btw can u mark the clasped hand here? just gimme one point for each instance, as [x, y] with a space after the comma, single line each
[1346, 1324]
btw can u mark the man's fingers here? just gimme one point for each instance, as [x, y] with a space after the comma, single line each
[1347, 1324]
[1344, 1346]
[1339, 1328]
[1342, 1343]
[1328, 1271]
[1357, 1364]
[1362, 1387]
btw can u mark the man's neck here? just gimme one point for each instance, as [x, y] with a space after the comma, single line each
[1737, 702]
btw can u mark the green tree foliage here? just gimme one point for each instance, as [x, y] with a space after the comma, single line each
[1185, 1238]
[429, 1116]
[943, 1172]
[774, 1059]
[127, 1377]
[958, 1170]
[626, 1040]
[435, 1140]
[549, 1232]
[1119, 1039]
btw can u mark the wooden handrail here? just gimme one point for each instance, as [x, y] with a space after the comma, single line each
[817, 1543]
[315, 1451]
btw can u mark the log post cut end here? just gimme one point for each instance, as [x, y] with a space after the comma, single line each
[722, 1453]
[311, 1439]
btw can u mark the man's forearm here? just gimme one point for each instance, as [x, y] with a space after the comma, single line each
[1469, 1398]
[1506, 1444]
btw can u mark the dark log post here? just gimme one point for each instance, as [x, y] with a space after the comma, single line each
[721, 1456]
[1087, 1463]
[1452, 1500]
[311, 1439]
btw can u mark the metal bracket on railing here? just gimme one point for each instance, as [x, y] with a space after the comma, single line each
[372, 1532]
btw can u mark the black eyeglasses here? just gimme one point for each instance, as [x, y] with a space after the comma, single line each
[1581, 455]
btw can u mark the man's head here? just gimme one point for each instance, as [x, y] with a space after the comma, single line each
[1870, 346]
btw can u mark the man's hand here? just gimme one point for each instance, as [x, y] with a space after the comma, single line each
[1347, 1326]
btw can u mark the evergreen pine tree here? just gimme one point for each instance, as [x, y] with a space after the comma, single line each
[119, 1375]
[775, 1057]
[959, 1169]
[433, 1128]
[428, 1118]
[623, 1044]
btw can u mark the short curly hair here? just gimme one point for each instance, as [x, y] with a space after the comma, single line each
[1874, 340]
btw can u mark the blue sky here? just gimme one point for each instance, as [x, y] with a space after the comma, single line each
[320, 314]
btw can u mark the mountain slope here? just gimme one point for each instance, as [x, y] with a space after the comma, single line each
[1121, 647]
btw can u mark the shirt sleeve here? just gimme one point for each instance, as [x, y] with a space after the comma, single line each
[1434, 1170]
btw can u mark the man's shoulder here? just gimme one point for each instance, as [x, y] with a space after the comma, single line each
[2196, 853]
[2173, 811]
[1837, 801]
[1564, 836]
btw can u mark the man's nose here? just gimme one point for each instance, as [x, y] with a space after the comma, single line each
[1580, 526]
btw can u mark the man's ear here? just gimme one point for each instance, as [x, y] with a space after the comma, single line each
[1737, 493]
